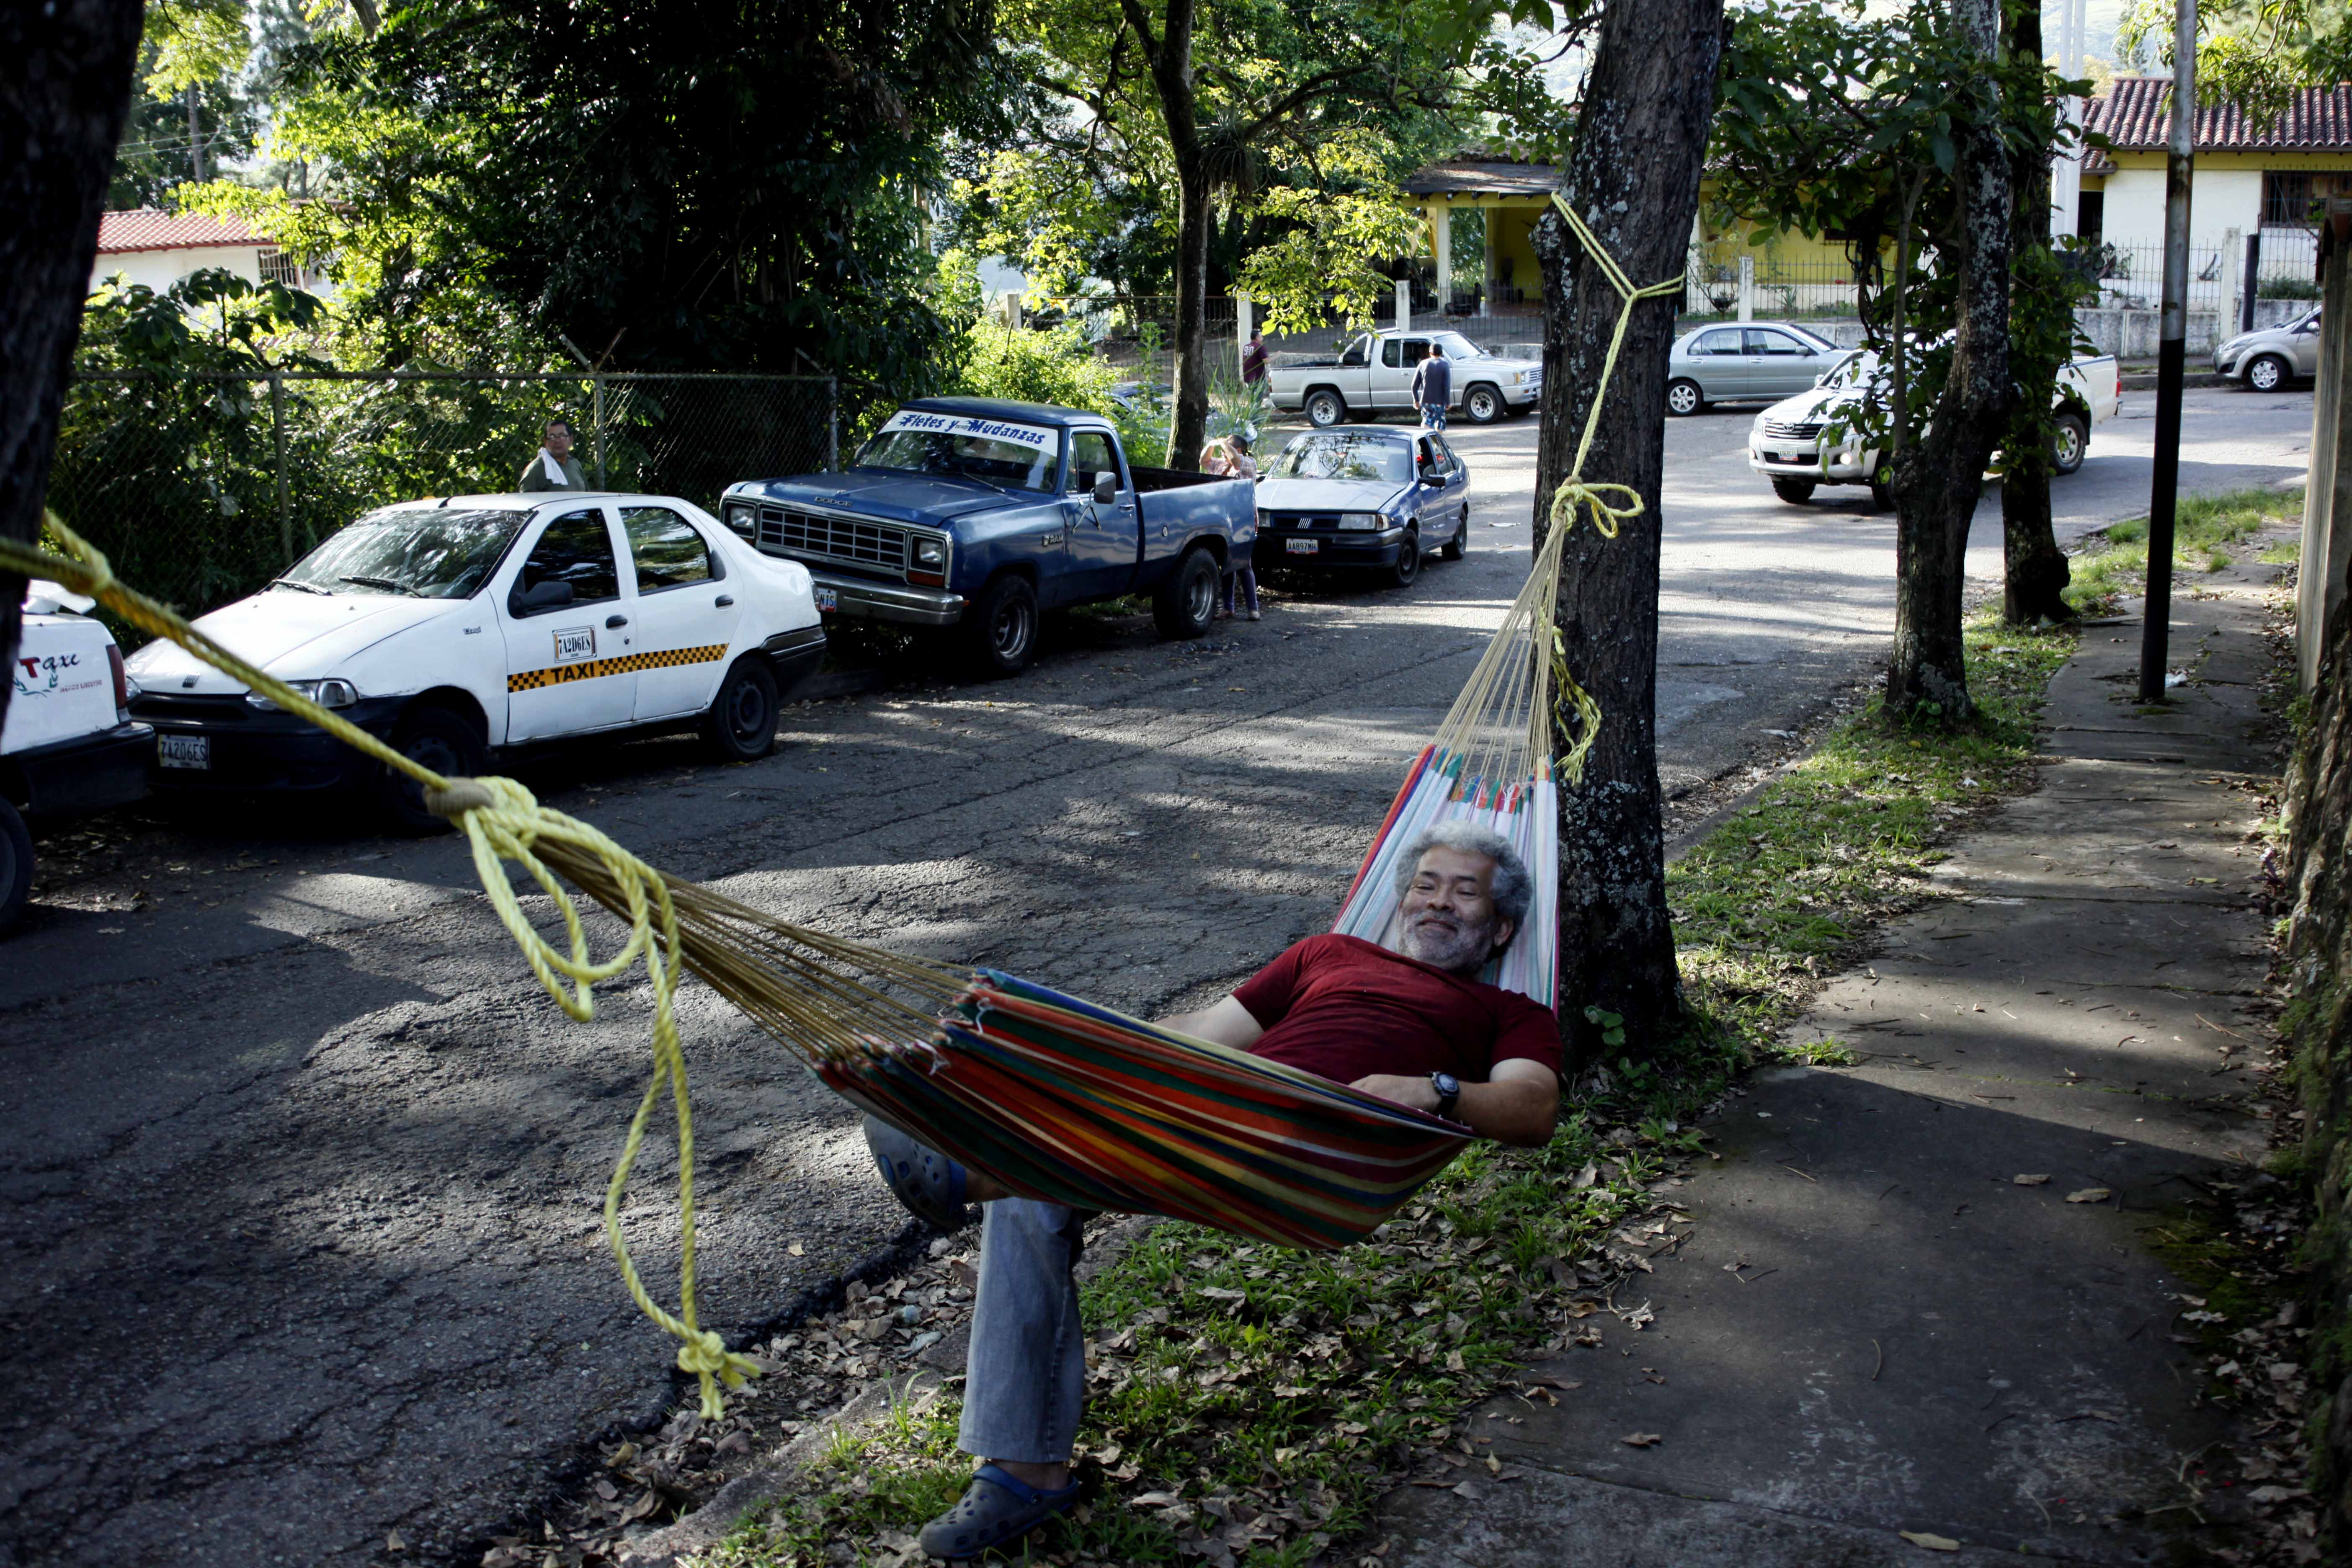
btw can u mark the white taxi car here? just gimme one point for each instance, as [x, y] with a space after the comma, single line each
[68, 744]
[470, 628]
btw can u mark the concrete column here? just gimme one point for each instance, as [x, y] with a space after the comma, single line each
[1441, 224]
[1404, 306]
[1241, 329]
[1747, 287]
[1492, 281]
[2225, 308]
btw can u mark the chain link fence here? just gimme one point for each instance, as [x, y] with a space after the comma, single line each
[200, 489]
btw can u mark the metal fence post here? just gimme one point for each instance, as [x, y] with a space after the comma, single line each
[278, 439]
[597, 382]
[832, 423]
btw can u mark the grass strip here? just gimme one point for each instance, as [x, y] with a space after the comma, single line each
[2114, 562]
[1250, 1405]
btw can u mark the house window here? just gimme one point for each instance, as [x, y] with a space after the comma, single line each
[276, 267]
[2286, 201]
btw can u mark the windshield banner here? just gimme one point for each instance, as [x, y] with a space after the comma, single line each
[1030, 436]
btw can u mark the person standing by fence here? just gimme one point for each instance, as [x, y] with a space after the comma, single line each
[1253, 358]
[1432, 389]
[1230, 456]
[554, 468]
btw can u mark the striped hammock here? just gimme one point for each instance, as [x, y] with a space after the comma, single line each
[1064, 1101]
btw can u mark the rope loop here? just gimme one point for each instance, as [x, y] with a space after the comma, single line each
[502, 822]
[1606, 519]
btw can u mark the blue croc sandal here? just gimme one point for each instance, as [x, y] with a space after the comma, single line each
[996, 1507]
[930, 1184]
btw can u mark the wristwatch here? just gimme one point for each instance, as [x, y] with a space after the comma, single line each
[1449, 1092]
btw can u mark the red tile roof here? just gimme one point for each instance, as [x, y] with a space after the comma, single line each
[148, 229]
[2134, 114]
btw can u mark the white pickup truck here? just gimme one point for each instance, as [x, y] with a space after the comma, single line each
[1373, 375]
[1785, 444]
[70, 745]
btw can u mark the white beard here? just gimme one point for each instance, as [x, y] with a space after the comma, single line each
[1443, 942]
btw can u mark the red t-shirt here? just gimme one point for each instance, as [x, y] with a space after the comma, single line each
[1344, 1008]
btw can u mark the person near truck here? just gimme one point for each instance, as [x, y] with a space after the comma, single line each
[1229, 455]
[1253, 358]
[1432, 389]
[554, 467]
[1416, 1026]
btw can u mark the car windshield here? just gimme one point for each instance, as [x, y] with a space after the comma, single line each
[1454, 345]
[1850, 370]
[996, 452]
[425, 552]
[1349, 455]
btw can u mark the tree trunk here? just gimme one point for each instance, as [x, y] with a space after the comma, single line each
[1190, 430]
[65, 87]
[1171, 57]
[1939, 480]
[2034, 572]
[1634, 177]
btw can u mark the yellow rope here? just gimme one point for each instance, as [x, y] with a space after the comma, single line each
[502, 822]
[1573, 492]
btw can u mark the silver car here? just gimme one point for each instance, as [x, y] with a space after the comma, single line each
[1763, 361]
[2265, 360]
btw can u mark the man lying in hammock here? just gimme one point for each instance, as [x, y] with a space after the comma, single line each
[1417, 1027]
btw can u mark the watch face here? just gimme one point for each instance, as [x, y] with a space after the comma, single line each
[1447, 1084]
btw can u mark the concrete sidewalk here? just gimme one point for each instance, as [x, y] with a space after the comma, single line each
[1876, 1327]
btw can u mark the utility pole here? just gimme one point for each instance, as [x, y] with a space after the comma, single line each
[195, 137]
[2179, 161]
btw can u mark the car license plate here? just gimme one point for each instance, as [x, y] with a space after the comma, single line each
[185, 751]
[828, 599]
[1301, 546]
[574, 644]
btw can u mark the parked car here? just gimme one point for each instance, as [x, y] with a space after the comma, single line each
[470, 629]
[2265, 360]
[1373, 375]
[977, 514]
[70, 745]
[1378, 499]
[1785, 443]
[1740, 364]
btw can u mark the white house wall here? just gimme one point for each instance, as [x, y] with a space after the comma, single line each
[159, 270]
[2219, 200]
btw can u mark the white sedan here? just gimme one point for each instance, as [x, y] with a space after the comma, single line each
[470, 628]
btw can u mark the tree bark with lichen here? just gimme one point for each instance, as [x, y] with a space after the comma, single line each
[1632, 177]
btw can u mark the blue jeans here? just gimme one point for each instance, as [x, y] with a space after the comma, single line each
[1433, 417]
[1025, 1375]
[1246, 577]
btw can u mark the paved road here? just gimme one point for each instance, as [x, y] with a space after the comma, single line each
[300, 1172]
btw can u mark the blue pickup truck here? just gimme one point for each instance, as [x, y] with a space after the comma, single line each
[976, 514]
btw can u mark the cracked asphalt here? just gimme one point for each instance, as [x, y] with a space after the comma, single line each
[300, 1171]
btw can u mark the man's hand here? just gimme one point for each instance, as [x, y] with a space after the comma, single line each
[1518, 1105]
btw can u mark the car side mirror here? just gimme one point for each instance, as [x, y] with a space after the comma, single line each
[1106, 488]
[1433, 478]
[547, 595]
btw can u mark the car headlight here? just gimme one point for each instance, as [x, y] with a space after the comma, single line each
[743, 518]
[1360, 522]
[328, 693]
[1264, 519]
[930, 552]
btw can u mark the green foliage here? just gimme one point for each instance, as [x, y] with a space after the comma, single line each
[753, 200]
[2254, 54]
[2114, 562]
[1055, 367]
[1326, 232]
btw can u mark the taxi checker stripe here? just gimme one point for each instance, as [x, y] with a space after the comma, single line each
[532, 680]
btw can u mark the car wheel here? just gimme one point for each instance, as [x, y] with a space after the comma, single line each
[16, 866]
[741, 724]
[2068, 442]
[442, 740]
[1457, 547]
[1183, 605]
[1482, 404]
[1325, 408]
[1003, 625]
[1408, 560]
[1796, 492]
[2267, 373]
[1882, 494]
[1682, 398]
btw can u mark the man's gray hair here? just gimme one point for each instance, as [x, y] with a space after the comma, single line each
[1512, 890]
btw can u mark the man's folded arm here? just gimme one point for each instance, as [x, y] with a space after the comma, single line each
[1517, 1105]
